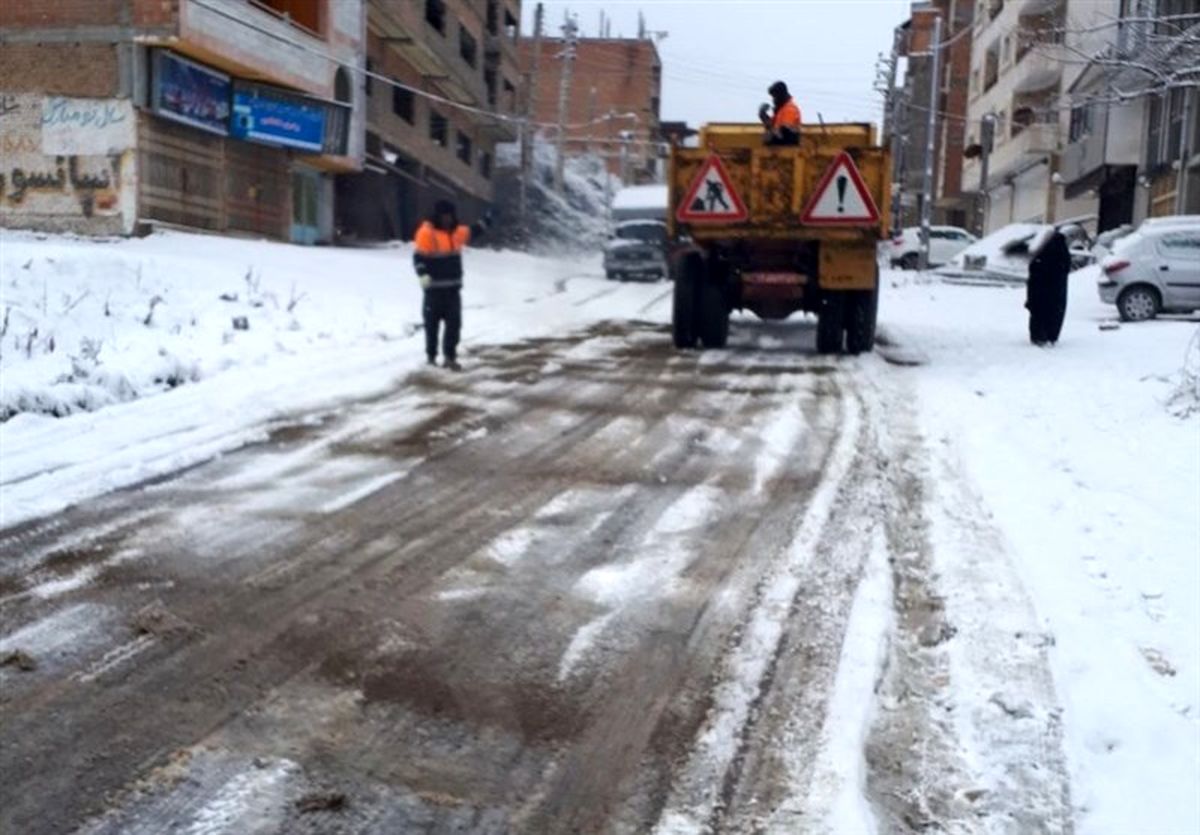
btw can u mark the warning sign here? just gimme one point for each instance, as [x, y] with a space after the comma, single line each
[712, 198]
[841, 198]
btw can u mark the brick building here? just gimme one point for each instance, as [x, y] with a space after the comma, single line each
[952, 206]
[227, 115]
[417, 149]
[613, 101]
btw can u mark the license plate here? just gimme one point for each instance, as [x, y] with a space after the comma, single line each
[774, 278]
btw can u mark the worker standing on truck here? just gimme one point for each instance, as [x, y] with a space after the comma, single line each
[783, 128]
[437, 257]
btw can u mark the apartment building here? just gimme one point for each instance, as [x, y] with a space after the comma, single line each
[1020, 71]
[228, 115]
[433, 137]
[612, 101]
[952, 205]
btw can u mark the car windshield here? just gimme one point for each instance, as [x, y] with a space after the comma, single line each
[649, 232]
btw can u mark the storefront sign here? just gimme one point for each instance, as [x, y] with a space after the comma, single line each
[67, 164]
[274, 117]
[191, 93]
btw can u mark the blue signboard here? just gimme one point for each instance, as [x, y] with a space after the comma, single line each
[262, 114]
[187, 92]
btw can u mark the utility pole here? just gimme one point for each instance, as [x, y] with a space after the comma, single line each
[564, 94]
[527, 131]
[987, 134]
[891, 118]
[935, 51]
[591, 118]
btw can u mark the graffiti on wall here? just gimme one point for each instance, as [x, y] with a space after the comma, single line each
[69, 162]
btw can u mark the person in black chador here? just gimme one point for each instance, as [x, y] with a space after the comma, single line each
[1046, 292]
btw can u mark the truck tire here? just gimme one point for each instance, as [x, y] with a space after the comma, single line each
[714, 311]
[689, 269]
[862, 308]
[831, 322]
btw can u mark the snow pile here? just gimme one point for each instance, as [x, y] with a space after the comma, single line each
[576, 220]
[1184, 401]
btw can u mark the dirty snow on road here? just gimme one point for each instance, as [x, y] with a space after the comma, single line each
[591, 584]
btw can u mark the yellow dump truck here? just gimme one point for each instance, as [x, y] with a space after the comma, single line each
[778, 229]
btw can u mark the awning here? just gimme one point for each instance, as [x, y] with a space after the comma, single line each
[1040, 79]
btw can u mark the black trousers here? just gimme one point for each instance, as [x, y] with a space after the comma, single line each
[443, 306]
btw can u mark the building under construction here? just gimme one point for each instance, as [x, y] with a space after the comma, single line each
[605, 91]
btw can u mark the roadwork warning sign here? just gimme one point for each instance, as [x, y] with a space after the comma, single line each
[841, 198]
[712, 198]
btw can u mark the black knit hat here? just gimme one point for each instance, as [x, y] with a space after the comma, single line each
[778, 89]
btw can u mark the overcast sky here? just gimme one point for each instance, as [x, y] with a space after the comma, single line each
[720, 56]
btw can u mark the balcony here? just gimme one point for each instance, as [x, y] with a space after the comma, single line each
[431, 43]
[1033, 141]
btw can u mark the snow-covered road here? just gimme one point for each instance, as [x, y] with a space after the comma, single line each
[591, 584]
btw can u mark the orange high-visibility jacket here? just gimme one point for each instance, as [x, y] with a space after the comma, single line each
[438, 254]
[787, 116]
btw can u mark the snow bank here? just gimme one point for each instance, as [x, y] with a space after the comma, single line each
[1094, 483]
[574, 221]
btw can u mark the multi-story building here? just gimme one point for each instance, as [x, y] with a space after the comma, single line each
[227, 115]
[951, 205]
[612, 100]
[432, 135]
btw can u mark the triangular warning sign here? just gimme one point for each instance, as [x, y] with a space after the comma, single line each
[712, 197]
[841, 198]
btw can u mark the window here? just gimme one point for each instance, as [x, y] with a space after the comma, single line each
[493, 17]
[303, 13]
[439, 130]
[485, 165]
[512, 27]
[991, 66]
[467, 47]
[435, 14]
[463, 147]
[1081, 122]
[654, 106]
[367, 78]
[1154, 154]
[1180, 245]
[404, 104]
[1174, 123]
[489, 82]
[510, 96]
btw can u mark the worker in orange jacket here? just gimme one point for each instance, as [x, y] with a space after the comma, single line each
[783, 127]
[437, 257]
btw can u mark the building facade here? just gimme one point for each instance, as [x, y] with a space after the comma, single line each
[233, 116]
[952, 205]
[420, 148]
[612, 100]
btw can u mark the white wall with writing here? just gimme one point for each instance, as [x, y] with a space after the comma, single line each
[68, 164]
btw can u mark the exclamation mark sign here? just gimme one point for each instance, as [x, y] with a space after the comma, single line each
[842, 180]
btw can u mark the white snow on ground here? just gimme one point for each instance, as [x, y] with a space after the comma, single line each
[839, 779]
[1095, 485]
[189, 385]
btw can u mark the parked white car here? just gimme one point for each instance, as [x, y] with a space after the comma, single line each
[1153, 270]
[944, 243]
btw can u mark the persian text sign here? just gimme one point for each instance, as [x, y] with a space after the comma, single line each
[87, 126]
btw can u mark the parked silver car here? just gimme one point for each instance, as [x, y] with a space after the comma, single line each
[1153, 270]
[637, 249]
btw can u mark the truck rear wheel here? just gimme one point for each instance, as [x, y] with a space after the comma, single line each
[689, 270]
[831, 322]
[862, 307]
[713, 310]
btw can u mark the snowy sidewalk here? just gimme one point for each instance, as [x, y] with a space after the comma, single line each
[1095, 485]
[135, 341]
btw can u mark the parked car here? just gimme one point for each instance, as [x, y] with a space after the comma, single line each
[1153, 270]
[944, 243]
[1003, 255]
[637, 249]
